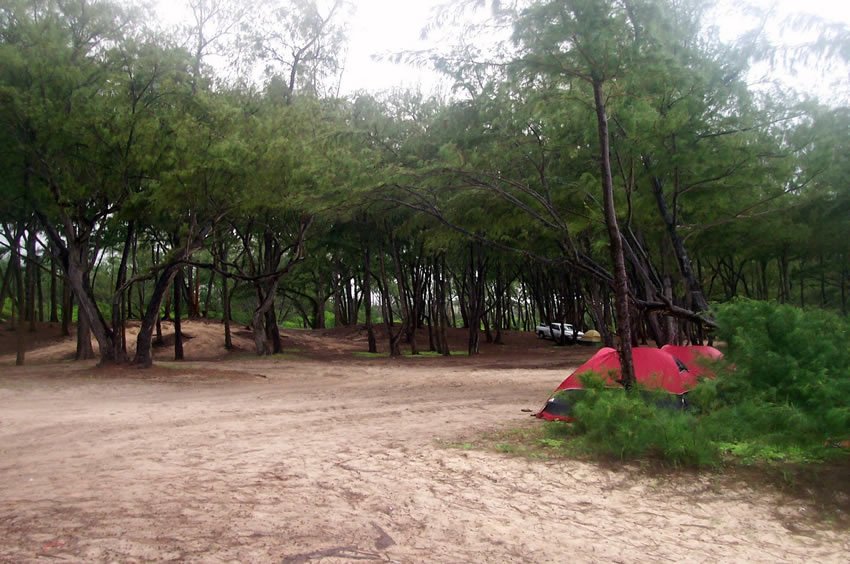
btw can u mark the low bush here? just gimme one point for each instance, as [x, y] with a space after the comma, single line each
[613, 423]
[786, 385]
[782, 393]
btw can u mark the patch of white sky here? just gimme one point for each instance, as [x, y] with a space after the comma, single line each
[378, 29]
[827, 80]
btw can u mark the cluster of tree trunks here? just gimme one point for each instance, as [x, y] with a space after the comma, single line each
[48, 278]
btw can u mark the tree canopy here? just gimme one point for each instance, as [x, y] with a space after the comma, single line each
[612, 169]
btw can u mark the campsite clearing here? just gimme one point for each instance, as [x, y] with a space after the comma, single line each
[297, 459]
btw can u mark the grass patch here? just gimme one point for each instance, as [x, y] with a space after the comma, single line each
[432, 354]
[406, 354]
[170, 365]
[366, 354]
[533, 441]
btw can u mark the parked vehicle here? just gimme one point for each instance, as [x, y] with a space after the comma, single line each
[553, 332]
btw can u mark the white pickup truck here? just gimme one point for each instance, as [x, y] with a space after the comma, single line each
[553, 331]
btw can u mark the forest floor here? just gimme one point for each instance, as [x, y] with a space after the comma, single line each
[321, 455]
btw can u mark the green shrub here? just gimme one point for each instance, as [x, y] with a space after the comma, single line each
[788, 375]
[624, 425]
[782, 394]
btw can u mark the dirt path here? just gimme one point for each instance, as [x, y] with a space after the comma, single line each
[337, 462]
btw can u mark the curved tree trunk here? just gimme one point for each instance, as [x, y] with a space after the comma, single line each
[73, 256]
[144, 341]
[144, 356]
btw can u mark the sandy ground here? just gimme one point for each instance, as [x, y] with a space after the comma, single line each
[297, 459]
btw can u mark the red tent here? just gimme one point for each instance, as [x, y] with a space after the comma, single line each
[696, 357]
[654, 369]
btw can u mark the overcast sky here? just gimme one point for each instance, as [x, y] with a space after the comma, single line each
[378, 27]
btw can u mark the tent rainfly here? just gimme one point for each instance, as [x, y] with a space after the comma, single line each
[654, 369]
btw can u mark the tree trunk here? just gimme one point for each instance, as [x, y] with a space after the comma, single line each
[20, 338]
[140, 286]
[367, 298]
[225, 305]
[188, 285]
[319, 305]
[39, 291]
[193, 292]
[31, 274]
[441, 307]
[621, 281]
[387, 309]
[15, 264]
[499, 313]
[177, 286]
[686, 269]
[119, 352]
[84, 348]
[475, 302]
[67, 307]
[338, 297]
[6, 287]
[151, 319]
[54, 292]
[266, 301]
[671, 327]
[273, 331]
[208, 298]
[408, 323]
[74, 258]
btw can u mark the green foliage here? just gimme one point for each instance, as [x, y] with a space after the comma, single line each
[623, 425]
[783, 394]
[788, 381]
[106, 124]
[6, 309]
